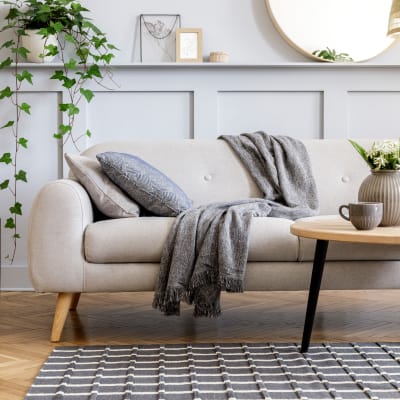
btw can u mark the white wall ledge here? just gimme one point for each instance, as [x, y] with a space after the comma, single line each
[311, 65]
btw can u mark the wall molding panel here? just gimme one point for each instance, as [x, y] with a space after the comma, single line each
[304, 100]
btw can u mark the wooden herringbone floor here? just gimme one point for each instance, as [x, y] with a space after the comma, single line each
[127, 318]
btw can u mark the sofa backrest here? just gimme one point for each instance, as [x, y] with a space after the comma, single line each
[208, 170]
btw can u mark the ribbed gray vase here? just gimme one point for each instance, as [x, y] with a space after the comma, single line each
[383, 186]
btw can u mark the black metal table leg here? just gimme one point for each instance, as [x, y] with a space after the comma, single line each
[316, 277]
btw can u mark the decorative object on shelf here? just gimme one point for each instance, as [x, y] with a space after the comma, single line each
[332, 55]
[189, 45]
[383, 184]
[219, 56]
[394, 20]
[358, 27]
[82, 49]
[157, 37]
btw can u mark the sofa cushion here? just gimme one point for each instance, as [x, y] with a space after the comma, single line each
[108, 197]
[142, 239]
[144, 183]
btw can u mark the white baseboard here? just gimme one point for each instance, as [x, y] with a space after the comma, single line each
[15, 278]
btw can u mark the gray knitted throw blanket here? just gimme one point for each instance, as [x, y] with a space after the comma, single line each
[206, 249]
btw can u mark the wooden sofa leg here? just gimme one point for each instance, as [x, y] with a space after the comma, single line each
[75, 301]
[64, 303]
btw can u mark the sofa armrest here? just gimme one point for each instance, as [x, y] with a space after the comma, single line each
[60, 213]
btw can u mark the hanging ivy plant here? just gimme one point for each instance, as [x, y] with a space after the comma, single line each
[76, 34]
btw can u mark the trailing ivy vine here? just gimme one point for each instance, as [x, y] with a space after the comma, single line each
[91, 53]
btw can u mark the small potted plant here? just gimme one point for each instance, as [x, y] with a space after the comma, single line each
[34, 17]
[383, 184]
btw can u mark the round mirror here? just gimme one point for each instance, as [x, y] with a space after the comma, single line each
[333, 30]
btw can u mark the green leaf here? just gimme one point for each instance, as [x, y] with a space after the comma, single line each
[17, 236]
[71, 64]
[21, 176]
[362, 152]
[6, 158]
[9, 223]
[6, 92]
[4, 184]
[52, 50]
[94, 70]
[7, 125]
[69, 38]
[112, 47]
[13, 13]
[44, 32]
[98, 41]
[72, 109]
[7, 44]
[25, 75]
[88, 133]
[63, 107]
[62, 130]
[16, 209]
[93, 27]
[69, 83]
[25, 107]
[77, 7]
[6, 63]
[57, 26]
[87, 93]
[59, 75]
[107, 57]
[23, 142]
[23, 52]
[82, 53]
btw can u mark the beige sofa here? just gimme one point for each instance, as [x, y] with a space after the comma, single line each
[71, 254]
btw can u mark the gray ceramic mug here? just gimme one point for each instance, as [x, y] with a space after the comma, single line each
[363, 215]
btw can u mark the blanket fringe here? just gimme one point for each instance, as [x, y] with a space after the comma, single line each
[169, 301]
[232, 285]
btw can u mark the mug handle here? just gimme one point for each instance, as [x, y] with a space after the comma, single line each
[341, 212]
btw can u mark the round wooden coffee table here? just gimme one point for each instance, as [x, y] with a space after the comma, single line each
[324, 229]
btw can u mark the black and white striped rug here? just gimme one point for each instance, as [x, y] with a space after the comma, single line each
[221, 371]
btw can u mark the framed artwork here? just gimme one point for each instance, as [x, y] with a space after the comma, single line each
[189, 45]
[157, 37]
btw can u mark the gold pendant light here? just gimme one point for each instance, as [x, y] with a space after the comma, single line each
[394, 20]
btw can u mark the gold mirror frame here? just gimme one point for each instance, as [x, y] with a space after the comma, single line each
[361, 27]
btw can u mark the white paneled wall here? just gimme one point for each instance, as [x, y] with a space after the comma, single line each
[250, 111]
[374, 114]
[305, 100]
[147, 115]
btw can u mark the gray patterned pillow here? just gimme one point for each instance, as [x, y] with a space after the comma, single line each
[108, 197]
[145, 184]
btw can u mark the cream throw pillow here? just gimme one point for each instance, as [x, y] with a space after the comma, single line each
[108, 197]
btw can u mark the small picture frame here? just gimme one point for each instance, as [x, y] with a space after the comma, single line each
[189, 45]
